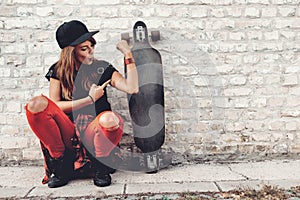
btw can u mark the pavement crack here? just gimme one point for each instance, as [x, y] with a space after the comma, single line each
[246, 177]
[218, 186]
[125, 188]
[26, 195]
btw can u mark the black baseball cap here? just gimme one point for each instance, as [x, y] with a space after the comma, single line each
[72, 33]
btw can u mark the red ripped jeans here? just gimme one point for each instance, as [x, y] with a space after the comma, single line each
[55, 131]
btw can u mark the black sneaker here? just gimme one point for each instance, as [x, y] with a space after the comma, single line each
[102, 180]
[55, 181]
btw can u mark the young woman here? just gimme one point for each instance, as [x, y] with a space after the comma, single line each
[75, 125]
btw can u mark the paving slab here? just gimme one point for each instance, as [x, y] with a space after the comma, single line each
[257, 184]
[238, 185]
[268, 170]
[21, 176]
[25, 182]
[14, 192]
[171, 187]
[189, 173]
[285, 184]
[77, 191]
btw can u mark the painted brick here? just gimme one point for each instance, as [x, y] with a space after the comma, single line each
[291, 79]
[231, 69]
[172, 2]
[103, 12]
[198, 12]
[255, 35]
[237, 36]
[238, 92]
[272, 79]
[293, 101]
[12, 2]
[4, 72]
[234, 11]
[23, 23]
[276, 101]
[288, 35]
[9, 131]
[292, 126]
[101, 2]
[165, 11]
[32, 61]
[259, 102]
[7, 37]
[2, 61]
[238, 80]
[287, 11]
[13, 107]
[7, 11]
[252, 12]
[276, 126]
[264, 2]
[44, 11]
[273, 35]
[32, 154]
[269, 12]
[14, 48]
[17, 143]
[25, 11]
[84, 12]
[63, 2]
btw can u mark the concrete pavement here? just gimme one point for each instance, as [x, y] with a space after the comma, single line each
[25, 182]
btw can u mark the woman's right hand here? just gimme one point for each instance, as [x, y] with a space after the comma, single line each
[123, 47]
[97, 91]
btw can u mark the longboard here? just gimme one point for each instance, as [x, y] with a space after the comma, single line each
[147, 106]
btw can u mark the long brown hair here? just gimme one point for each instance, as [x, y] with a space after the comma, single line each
[66, 69]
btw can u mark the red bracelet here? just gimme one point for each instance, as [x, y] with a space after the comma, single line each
[129, 61]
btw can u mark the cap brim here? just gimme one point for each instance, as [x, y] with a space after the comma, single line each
[83, 38]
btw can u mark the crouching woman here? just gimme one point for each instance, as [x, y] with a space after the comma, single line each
[76, 125]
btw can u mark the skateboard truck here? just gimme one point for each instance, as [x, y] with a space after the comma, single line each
[152, 162]
[140, 34]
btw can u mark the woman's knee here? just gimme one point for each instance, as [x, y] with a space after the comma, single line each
[37, 104]
[109, 120]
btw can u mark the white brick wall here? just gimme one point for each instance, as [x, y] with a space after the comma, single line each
[231, 70]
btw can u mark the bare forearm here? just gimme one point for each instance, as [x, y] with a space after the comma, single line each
[130, 84]
[132, 76]
[69, 106]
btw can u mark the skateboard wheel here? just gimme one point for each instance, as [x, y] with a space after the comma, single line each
[125, 36]
[155, 35]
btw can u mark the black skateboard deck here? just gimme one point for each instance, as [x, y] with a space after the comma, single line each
[147, 106]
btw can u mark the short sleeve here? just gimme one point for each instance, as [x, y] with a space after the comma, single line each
[51, 73]
[107, 74]
[110, 70]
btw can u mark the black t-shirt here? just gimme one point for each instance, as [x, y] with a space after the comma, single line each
[98, 73]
